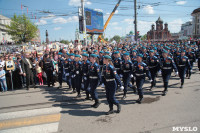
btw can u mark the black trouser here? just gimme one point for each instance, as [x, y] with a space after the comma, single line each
[49, 77]
[29, 79]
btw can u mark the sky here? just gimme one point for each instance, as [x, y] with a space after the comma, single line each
[61, 17]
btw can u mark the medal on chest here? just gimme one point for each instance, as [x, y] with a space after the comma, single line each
[140, 67]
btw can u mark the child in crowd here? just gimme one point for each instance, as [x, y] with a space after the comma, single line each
[39, 73]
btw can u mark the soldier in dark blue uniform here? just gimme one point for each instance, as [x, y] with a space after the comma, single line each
[111, 76]
[85, 68]
[182, 64]
[78, 74]
[118, 63]
[167, 64]
[127, 71]
[67, 69]
[72, 72]
[192, 58]
[94, 79]
[60, 69]
[140, 71]
[153, 64]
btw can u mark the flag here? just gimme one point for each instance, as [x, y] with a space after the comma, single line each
[35, 17]
[39, 20]
[21, 7]
[27, 10]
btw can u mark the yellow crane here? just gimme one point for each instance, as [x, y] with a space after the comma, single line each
[108, 20]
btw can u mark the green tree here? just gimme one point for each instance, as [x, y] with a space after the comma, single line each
[21, 29]
[64, 41]
[144, 37]
[116, 38]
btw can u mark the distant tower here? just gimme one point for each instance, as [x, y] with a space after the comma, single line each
[159, 24]
[152, 27]
[77, 35]
[166, 26]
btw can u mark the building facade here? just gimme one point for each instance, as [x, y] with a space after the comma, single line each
[4, 37]
[196, 23]
[186, 30]
[160, 33]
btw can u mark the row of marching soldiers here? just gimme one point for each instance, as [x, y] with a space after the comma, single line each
[130, 64]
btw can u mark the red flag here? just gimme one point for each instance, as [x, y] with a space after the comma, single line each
[32, 15]
[27, 10]
[35, 17]
[21, 6]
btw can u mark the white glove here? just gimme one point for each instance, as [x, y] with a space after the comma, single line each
[77, 72]
[121, 76]
[122, 88]
[85, 78]
[159, 72]
[102, 85]
[176, 73]
[150, 80]
[67, 74]
[131, 75]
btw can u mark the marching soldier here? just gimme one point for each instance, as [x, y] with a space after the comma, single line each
[127, 68]
[72, 72]
[85, 69]
[78, 74]
[192, 59]
[94, 79]
[167, 64]
[140, 70]
[182, 64]
[111, 76]
[153, 64]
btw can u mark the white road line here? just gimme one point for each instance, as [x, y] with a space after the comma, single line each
[29, 113]
[44, 128]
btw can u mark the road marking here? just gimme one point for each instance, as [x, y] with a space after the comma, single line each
[29, 113]
[44, 128]
[29, 121]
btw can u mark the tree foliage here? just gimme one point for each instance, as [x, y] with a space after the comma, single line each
[64, 41]
[144, 37]
[21, 29]
[116, 38]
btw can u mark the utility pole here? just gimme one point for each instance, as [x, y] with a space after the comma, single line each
[84, 23]
[135, 22]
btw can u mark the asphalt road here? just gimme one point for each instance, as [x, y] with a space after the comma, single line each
[51, 110]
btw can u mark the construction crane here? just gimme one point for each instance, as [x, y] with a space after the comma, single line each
[108, 20]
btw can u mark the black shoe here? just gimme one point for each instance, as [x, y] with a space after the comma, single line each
[35, 87]
[118, 108]
[134, 89]
[96, 104]
[164, 93]
[110, 112]
[181, 86]
[79, 95]
[74, 91]
[53, 84]
[139, 100]
[60, 87]
[124, 97]
[87, 98]
[27, 88]
[48, 85]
